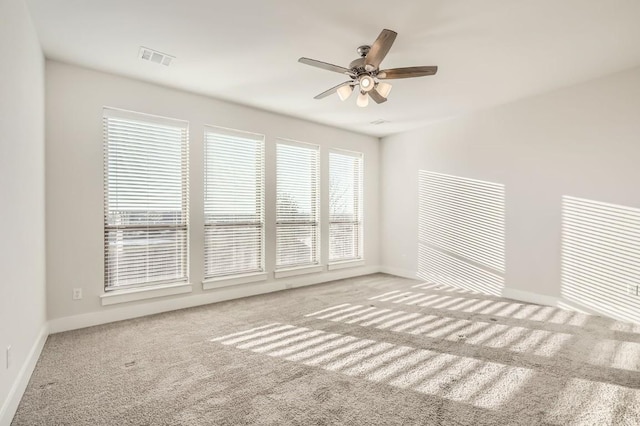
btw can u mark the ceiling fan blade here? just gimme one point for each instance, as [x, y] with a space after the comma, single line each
[324, 65]
[380, 48]
[407, 72]
[332, 90]
[377, 97]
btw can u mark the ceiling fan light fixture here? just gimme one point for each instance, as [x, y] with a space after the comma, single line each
[384, 89]
[366, 83]
[365, 72]
[363, 99]
[344, 92]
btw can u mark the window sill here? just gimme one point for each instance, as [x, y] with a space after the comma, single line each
[221, 282]
[291, 272]
[141, 293]
[346, 264]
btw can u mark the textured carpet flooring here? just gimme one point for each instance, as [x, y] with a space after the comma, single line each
[375, 350]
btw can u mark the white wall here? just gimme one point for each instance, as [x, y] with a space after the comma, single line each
[75, 98]
[22, 201]
[582, 141]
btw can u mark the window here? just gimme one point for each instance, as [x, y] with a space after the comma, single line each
[233, 203]
[345, 206]
[297, 227]
[145, 199]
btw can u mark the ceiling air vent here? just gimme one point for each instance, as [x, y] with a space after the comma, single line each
[155, 56]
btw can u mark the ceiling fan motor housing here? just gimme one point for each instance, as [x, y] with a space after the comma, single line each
[358, 66]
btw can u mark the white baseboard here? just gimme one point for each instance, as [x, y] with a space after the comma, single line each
[529, 297]
[399, 272]
[559, 302]
[10, 405]
[574, 306]
[123, 312]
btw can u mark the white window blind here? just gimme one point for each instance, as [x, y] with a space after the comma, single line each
[297, 227]
[234, 202]
[145, 199]
[345, 206]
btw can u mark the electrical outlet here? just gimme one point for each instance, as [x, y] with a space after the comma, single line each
[77, 293]
[8, 357]
[633, 289]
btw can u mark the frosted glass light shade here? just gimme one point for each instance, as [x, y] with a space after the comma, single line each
[344, 92]
[363, 100]
[366, 83]
[384, 89]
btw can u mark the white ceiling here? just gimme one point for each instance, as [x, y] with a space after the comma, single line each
[488, 52]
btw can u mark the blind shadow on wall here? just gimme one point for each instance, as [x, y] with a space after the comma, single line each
[601, 257]
[461, 232]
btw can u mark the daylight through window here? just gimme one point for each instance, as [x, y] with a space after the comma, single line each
[297, 227]
[233, 202]
[345, 206]
[145, 199]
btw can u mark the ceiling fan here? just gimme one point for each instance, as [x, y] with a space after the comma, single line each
[365, 72]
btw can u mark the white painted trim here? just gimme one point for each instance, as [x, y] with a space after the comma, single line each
[10, 405]
[558, 302]
[234, 133]
[521, 296]
[347, 264]
[57, 325]
[124, 312]
[573, 306]
[292, 272]
[306, 280]
[399, 272]
[110, 112]
[526, 296]
[298, 144]
[230, 281]
[141, 293]
[576, 306]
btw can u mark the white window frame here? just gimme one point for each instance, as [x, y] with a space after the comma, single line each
[286, 270]
[183, 126]
[246, 276]
[358, 221]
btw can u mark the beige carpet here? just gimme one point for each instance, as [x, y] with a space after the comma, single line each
[375, 350]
